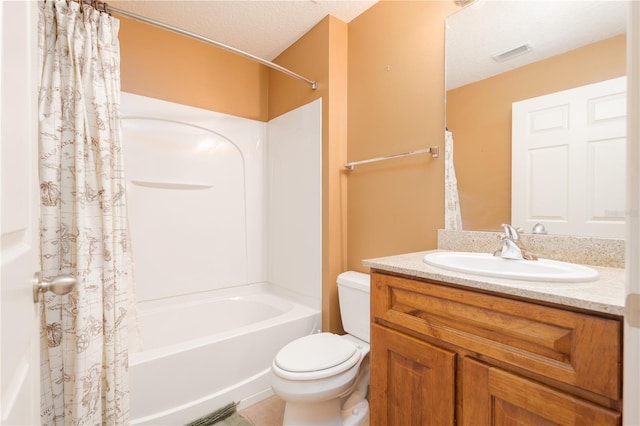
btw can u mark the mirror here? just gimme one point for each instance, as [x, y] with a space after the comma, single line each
[550, 46]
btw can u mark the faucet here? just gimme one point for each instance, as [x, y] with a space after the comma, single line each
[512, 247]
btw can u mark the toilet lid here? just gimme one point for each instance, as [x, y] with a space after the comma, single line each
[315, 352]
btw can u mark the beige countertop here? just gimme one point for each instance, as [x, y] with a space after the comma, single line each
[605, 295]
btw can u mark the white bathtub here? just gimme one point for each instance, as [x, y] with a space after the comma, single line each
[205, 350]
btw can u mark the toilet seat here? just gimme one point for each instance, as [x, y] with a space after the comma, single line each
[316, 356]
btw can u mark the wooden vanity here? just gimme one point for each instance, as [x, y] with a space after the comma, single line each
[445, 353]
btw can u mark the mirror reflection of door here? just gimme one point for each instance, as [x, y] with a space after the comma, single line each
[568, 161]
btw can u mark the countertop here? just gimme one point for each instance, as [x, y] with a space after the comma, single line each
[605, 295]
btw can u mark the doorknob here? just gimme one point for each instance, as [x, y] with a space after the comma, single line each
[60, 285]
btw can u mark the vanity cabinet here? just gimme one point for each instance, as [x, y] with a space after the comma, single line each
[444, 355]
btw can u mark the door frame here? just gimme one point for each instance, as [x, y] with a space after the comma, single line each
[631, 362]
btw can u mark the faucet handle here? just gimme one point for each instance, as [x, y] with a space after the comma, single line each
[510, 232]
[539, 228]
[509, 250]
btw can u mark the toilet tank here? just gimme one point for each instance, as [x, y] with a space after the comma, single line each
[354, 295]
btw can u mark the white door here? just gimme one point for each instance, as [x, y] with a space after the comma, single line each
[568, 161]
[19, 359]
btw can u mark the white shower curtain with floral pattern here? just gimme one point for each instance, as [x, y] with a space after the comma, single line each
[452, 217]
[83, 218]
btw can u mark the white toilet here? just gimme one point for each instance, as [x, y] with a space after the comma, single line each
[324, 377]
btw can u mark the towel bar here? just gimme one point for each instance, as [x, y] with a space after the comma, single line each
[434, 151]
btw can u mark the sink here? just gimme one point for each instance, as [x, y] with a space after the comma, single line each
[543, 270]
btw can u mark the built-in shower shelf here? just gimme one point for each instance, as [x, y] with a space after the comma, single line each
[170, 185]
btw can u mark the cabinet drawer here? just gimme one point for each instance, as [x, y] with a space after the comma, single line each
[577, 349]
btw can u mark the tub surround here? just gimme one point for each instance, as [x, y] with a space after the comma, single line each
[605, 295]
[215, 269]
[607, 252]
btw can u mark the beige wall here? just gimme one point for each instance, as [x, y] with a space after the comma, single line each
[163, 65]
[479, 115]
[396, 104]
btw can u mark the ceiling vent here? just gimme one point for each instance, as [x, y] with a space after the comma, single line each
[512, 53]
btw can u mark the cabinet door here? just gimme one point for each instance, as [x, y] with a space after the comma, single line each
[491, 396]
[412, 382]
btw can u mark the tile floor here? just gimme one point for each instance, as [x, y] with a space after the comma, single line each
[268, 412]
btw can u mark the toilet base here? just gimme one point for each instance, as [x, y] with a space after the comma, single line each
[325, 413]
[356, 415]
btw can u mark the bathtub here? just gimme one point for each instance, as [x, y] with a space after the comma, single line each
[205, 350]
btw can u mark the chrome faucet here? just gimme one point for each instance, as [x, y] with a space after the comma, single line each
[512, 247]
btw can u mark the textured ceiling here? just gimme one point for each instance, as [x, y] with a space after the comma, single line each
[490, 27]
[484, 28]
[263, 28]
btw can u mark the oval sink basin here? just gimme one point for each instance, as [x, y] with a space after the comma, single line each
[487, 265]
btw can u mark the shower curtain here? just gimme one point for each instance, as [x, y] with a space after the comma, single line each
[452, 217]
[83, 231]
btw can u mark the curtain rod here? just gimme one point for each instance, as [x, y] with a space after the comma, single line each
[109, 9]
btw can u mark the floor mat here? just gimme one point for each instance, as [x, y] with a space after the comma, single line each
[234, 420]
[225, 416]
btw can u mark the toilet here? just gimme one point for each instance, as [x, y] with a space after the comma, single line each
[323, 378]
